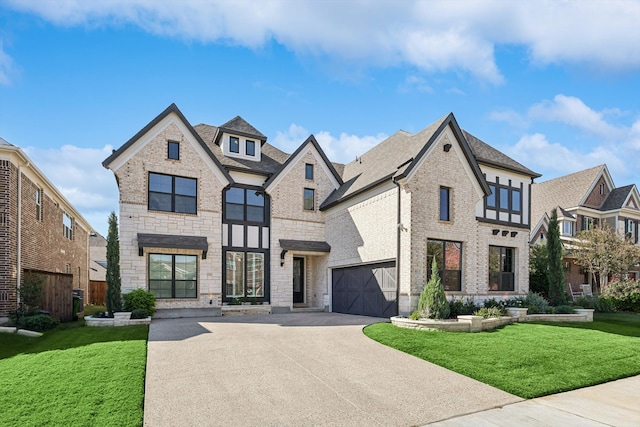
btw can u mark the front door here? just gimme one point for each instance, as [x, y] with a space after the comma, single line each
[298, 280]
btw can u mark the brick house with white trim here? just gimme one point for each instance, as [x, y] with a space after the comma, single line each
[39, 229]
[215, 216]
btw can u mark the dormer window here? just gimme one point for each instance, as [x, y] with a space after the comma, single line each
[250, 148]
[234, 144]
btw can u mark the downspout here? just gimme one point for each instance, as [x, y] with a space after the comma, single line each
[398, 231]
[19, 236]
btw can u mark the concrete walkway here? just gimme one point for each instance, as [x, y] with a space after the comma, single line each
[297, 369]
[319, 369]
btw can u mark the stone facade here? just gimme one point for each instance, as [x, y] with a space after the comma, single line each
[42, 244]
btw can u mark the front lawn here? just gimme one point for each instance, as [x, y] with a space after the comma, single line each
[74, 377]
[529, 360]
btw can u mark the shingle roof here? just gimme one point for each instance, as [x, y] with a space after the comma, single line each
[397, 154]
[241, 126]
[271, 159]
[484, 153]
[616, 198]
[5, 142]
[566, 191]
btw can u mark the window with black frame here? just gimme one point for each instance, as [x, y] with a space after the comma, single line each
[173, 276]
[170, 193]
[501, 268]
[448, 256]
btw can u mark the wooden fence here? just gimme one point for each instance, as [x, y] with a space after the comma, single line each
[58, 294]
[97, 292]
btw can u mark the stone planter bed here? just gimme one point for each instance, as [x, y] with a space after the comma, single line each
[25, 332]
[118, 319]
[477, 323]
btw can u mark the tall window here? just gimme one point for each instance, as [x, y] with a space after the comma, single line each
[67, 226]
[308, 171]
[444, 204]
[244, 204]
[631, 228]
[173, 150]
[515, 200]
[589, 223]
[504, 198]
[448, 256]
[244, 275]
[250, 149]
[173, 276]
[234, 144]
[39, 204]
[567, 228]
[172, 193]
[309, 199]
[491, 198]
[501, 268]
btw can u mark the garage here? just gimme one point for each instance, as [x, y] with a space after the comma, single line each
[368, 290]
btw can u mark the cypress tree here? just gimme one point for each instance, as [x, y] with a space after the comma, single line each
[557, 294]
[114, 297]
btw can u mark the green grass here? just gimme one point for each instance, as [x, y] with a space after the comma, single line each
[529, 360]
[77, 376]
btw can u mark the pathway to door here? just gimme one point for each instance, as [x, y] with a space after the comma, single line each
[297, 369]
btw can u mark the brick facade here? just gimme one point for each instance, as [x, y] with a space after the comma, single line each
[43, 245]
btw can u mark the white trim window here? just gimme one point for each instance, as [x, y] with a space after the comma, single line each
[67, 226]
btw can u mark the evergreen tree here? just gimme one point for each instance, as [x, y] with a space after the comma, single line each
[555, 272]
[433, 302]
[114, 297]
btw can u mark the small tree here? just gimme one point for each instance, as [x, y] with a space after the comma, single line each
[433, 302]
[32, 292]
[538, 266]
[113, 297]
[601, 251]
[555, 272]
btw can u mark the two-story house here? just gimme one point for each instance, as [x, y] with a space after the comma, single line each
[583, 200]
[40, 231]
[213, 216]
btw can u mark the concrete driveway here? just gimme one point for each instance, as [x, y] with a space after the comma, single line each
[296, 369]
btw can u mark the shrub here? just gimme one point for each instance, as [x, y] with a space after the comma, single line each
[563, 309]
[535, 300]
[433, 302]
[140, 300]
[491, 303]
[488, 312]
[32, 291]
[415, 315]
[39, 322]
[624, 295]
[600, 304]
[139, 313]
[461, 306]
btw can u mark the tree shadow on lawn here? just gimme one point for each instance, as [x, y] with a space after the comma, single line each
[13, 344]
[626, 324]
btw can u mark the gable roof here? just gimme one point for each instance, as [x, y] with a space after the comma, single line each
[5, 142]
[399, 154]
[567, 191]
[616, 198]
[310, 140]
[169, 110]
[240, 126]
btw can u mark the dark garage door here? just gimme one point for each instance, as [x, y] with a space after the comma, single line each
[368, 290]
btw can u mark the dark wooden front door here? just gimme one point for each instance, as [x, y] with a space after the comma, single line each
[298, 280]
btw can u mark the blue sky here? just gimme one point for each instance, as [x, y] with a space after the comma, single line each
[555, 85]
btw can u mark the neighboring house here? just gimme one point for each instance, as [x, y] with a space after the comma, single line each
[39, 229]
[216, 215]
[583, 200]
[97, 269]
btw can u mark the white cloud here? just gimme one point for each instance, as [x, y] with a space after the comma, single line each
[510, 117]
[434, 36]
[573, 112]
[7, 66]
[554, 159]
[78, 174]
[415, 84]
[343, 148]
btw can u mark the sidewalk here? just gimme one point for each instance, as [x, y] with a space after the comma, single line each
[616, 403]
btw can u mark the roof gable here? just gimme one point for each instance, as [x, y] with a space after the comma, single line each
[486, 154]
[311, 143]
[170, 115]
